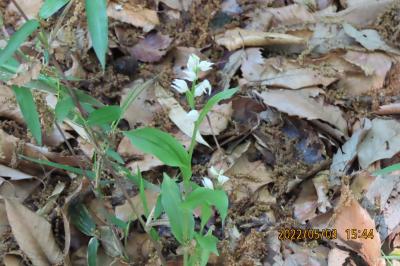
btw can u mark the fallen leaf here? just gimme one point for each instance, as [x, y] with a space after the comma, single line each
[138, 17]
[30, 7]
[290, 15]
[382, 141]
[13, 174]
[298, 103]
[152, 48]
[369, 39]
[280, 72]
[219, 116]
[230, 69]
[338, 257]
[237, 38]
[351, 215]
[143, 109]
[33, 234]
[321, 184]
[125, 212]
[306, 203]
[389, 109]
[327, 37]
[346, 155]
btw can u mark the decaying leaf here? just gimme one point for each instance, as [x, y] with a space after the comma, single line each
[219, 116]
[382, 141]
[125, 212]
[237, 38]
[306, 203]
[351, 215]
[152, 48]
[138, 17]
[299, 103]
[33, 234]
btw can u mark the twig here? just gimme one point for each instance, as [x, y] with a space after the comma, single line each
[212, 132]
[20, 10]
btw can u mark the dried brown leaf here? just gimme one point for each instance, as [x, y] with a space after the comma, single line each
[237, 38]
[33, 234]
[152, 48]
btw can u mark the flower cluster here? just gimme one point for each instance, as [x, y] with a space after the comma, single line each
[194, 66]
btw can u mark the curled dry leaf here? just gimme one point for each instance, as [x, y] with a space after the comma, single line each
[138, 17]
[351, 215]
[152, 48]
[382, 141]
[299, 103]
[237, 38]
[280, 72]
[33, 234]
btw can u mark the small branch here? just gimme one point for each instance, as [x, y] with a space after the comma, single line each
[20, 10]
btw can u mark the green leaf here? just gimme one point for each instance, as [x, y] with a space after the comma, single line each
[96, 13]
[206, 213]
[160, 144]
[17, 40]
[88, 173]
[104, 115]
[50, 7]
[28, 108]
[223, 95]
[82, 219]
[63, 108]
[387, 170]
[207, 245]
[181, 220]
[202, 195]
[92, 251]
[114, 155]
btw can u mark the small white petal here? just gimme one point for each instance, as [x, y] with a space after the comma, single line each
[213, 171]
[118, 7]
[193, 115]
[190, 75]
[207, 183]
[180, 85]
[205, 65]
[222, 179]
[202, 87]
[193, 62]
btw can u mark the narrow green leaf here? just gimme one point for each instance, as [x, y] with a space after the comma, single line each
[104, 115]
[202, 195]
[50, 7]
[92, 251]
[387, 170]
[223, 95]
[82, 219]
[206, 245]
[115, 156]
[63, 108]
[17, 40]
[181, 220]
[96, 13]
[142, 194]
[160, 144]
[206, 213]
[88, 173]
[28, 109]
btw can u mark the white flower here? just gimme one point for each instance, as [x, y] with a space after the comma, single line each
[202, 87]
[118, 7]
[190, 75]
[205, 65]
[180, 85]
[219, 175]
[207, 183]
[193, 115]
[194, 65]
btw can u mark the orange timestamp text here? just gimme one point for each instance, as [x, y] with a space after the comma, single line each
[306, 234]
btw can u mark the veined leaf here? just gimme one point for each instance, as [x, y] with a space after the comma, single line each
[207, 244]
[50, 7]
[17, 39]
[202, 195]
[104, 115]
[96, 13]
[181, 220]
[82, 219]
[160, 144]
[63, 108]
[92, 251]
[28, 109]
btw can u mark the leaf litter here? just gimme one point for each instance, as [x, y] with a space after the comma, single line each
[317, 115]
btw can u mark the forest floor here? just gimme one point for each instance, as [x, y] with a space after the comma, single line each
[315, 119]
